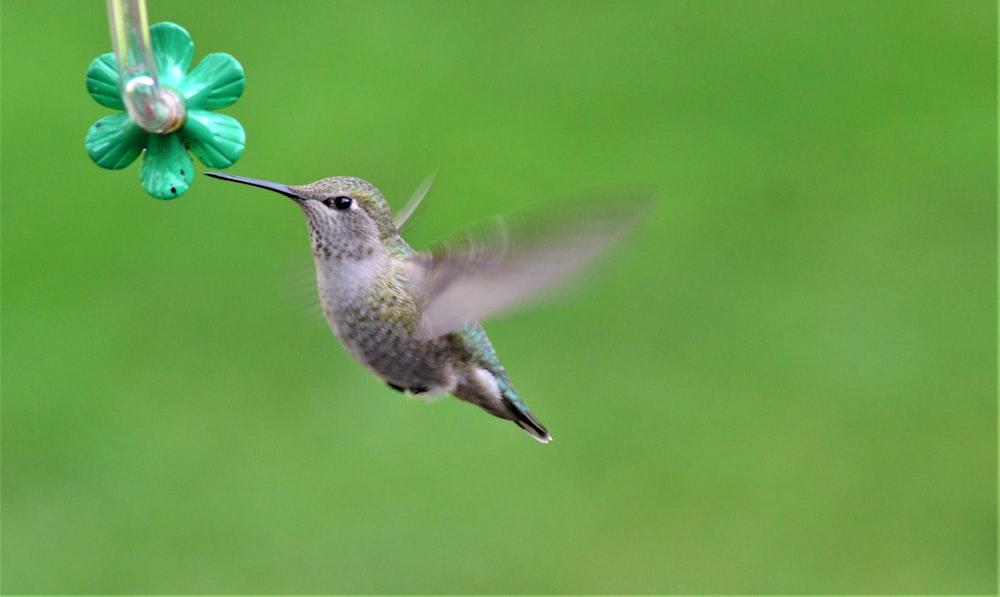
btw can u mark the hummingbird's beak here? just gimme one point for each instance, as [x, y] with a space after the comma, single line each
[272, 186]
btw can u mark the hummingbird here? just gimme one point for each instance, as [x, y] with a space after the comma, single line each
[411, 317]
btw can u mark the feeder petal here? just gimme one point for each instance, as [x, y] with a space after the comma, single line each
[216, 139]
[102, 82]
[167, 168]
[115, 141]
[215, 83]
[173, 50]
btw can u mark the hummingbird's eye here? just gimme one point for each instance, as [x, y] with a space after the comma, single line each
[340, 203]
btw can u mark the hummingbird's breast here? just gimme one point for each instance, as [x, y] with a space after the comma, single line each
[374, 314]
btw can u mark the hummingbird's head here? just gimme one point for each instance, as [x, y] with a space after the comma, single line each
[347, 217]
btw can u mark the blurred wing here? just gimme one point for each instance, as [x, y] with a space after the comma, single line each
[507, 262]
[411, 205]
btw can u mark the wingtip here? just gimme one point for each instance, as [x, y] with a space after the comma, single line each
[411, 205]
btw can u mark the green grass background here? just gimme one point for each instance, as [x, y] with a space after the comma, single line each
[784, 382]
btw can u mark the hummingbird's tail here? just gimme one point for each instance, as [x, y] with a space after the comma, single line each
[480, 387]
[527, 421]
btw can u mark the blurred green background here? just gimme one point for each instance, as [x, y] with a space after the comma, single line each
[784, 382]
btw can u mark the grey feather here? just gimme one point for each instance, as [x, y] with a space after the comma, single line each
[411, 205]
[510, 261]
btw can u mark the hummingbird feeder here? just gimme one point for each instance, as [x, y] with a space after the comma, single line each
[167, 110]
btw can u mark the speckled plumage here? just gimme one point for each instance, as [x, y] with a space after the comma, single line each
[366, 279]
[411, 318]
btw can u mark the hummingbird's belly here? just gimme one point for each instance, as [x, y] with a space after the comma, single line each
[404, 362]
[392, 352]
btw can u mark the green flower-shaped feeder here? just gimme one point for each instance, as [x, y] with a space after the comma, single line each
[216, 139]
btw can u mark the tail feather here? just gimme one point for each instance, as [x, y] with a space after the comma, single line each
[527, 421]
[480, 387]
